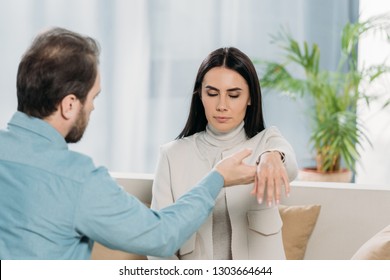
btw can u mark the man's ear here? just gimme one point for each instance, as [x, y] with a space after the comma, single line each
[69, 106]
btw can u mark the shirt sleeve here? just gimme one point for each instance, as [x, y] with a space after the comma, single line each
[111, 216]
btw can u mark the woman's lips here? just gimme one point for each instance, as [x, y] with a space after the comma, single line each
[221, 119]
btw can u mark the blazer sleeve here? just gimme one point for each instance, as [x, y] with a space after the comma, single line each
[162, 188]
[162, 195]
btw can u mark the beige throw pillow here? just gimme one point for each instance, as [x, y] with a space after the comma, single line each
[298, 225]
[376, 248]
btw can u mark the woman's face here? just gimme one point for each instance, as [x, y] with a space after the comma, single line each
[225, 96]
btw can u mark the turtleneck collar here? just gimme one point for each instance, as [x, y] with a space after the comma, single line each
[225, 139]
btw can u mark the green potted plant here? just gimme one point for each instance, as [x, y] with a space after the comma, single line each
[337, 130]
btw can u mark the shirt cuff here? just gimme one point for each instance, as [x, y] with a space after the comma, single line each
[214, 182]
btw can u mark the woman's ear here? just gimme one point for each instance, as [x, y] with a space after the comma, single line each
[69, 106]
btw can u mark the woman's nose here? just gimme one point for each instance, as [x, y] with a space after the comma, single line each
[221, 106]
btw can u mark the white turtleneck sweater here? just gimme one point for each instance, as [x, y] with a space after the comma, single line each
[212, 144]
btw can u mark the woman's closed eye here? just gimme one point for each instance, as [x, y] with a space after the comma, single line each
[212, 93]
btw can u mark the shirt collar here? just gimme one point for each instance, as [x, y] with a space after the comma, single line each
[38, 127]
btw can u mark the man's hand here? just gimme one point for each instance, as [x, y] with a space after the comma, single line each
[234, 171]
[271, 177]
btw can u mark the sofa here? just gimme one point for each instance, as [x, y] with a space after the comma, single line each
[321, 220]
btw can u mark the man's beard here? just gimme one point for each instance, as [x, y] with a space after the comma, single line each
[78, 129]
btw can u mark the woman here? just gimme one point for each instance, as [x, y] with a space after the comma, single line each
[226, 116]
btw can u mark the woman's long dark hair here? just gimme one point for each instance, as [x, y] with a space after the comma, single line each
[234, 59]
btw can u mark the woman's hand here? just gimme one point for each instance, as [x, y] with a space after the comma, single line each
[270, 178]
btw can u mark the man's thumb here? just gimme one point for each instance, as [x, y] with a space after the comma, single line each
[242, 154]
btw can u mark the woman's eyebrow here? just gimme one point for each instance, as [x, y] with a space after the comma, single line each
[230, 89]
[212, 88]
[235, 89]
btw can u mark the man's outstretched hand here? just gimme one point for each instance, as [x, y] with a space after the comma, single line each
[234, 171]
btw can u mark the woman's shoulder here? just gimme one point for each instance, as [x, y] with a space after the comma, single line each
[267, 132]
[272, 129]
[179, 144]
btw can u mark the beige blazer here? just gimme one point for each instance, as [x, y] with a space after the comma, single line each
[256, 229]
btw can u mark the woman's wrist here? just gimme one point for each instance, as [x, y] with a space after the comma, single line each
[282, 155]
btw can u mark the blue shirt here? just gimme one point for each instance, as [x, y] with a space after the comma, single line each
[54, 202]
